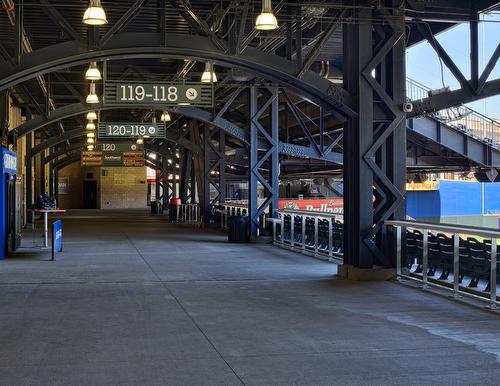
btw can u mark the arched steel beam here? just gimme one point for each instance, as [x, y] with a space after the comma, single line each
[81, 108]
[53, 141]
[191, 112]
[66, 161]
[69, 159]
[78, 146]
[65, 150]
[180, 46]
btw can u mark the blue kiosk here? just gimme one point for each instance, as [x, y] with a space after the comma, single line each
[8, 233]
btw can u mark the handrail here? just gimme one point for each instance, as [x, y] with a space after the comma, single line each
[310, 213]
[447, 228]
[319, 245]
[456, 231]
[461, 118]
[189, 214]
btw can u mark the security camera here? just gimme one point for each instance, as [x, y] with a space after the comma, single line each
[408, 107]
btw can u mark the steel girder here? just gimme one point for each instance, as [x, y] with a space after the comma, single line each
[270, 133]
[179, 46]
[191, 112]
[214, 173]
[478, 152]
[375, 152]
[454, 98]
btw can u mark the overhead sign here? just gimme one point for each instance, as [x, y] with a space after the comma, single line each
[133, 159]
[96, 158]
[91, 158]
[118, 147]
[131, 130]
[9, 162]
[164, 94]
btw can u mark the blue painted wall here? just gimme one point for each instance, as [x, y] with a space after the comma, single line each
[454, 198]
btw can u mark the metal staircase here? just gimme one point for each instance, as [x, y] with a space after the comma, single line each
[460, 129]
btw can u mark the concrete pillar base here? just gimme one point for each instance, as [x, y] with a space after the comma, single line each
[350, 272]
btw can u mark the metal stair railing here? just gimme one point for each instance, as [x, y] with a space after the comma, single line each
[461, 118]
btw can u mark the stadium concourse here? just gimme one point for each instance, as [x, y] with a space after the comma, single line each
[256, 192]
[136, 300]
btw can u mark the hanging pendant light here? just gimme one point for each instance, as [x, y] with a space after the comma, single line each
[266, 21]
[93, 72]
[90, 140]
[92, 116]
[91, 135]
[92, 98]
[95, 15]
[90, 126]
[165, 117]
[209, 75]
[90, 147]
[140, 141]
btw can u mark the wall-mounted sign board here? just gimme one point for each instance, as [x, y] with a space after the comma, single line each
[160, 93]
[131, 130]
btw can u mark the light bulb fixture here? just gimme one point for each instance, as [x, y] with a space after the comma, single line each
[165, 117]
[90, 147]
[92, 116]
[95, 15]
[92, 98]
[91, 135]
[209, 75]
[93, 72]
[90, 126]
[140, 141]
[90, 140]
[266, 21]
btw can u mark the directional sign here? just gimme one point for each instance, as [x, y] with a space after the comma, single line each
[131, 130]
[165, 94]
[119, 147]
[97, 158]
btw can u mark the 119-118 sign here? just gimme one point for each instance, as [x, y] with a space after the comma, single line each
[157, 93]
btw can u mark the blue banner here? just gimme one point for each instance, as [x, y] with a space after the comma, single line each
[57, 237]
[9, 162]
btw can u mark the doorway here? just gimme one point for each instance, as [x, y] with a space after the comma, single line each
[90, 194]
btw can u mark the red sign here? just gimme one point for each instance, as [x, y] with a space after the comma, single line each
[332, 205]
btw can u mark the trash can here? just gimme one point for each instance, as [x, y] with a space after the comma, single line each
[156, 207]
[172, 209]
[237, 227]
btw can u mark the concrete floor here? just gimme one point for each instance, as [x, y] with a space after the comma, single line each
[136, 301]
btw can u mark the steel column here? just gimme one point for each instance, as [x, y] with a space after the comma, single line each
[374, 151]
[268, 133]
[28, 159]
[214, 170]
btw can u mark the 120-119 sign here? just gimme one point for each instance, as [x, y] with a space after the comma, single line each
[131, 130]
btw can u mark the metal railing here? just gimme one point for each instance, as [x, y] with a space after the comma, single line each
[236, 208]
[317, 233]
[189, 214]
[461, 118]
[455, 255]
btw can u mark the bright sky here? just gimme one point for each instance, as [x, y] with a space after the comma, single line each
[423, 64]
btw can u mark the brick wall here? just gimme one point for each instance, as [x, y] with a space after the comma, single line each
[122, 187]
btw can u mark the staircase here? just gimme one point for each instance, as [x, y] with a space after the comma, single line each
[460, 129]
